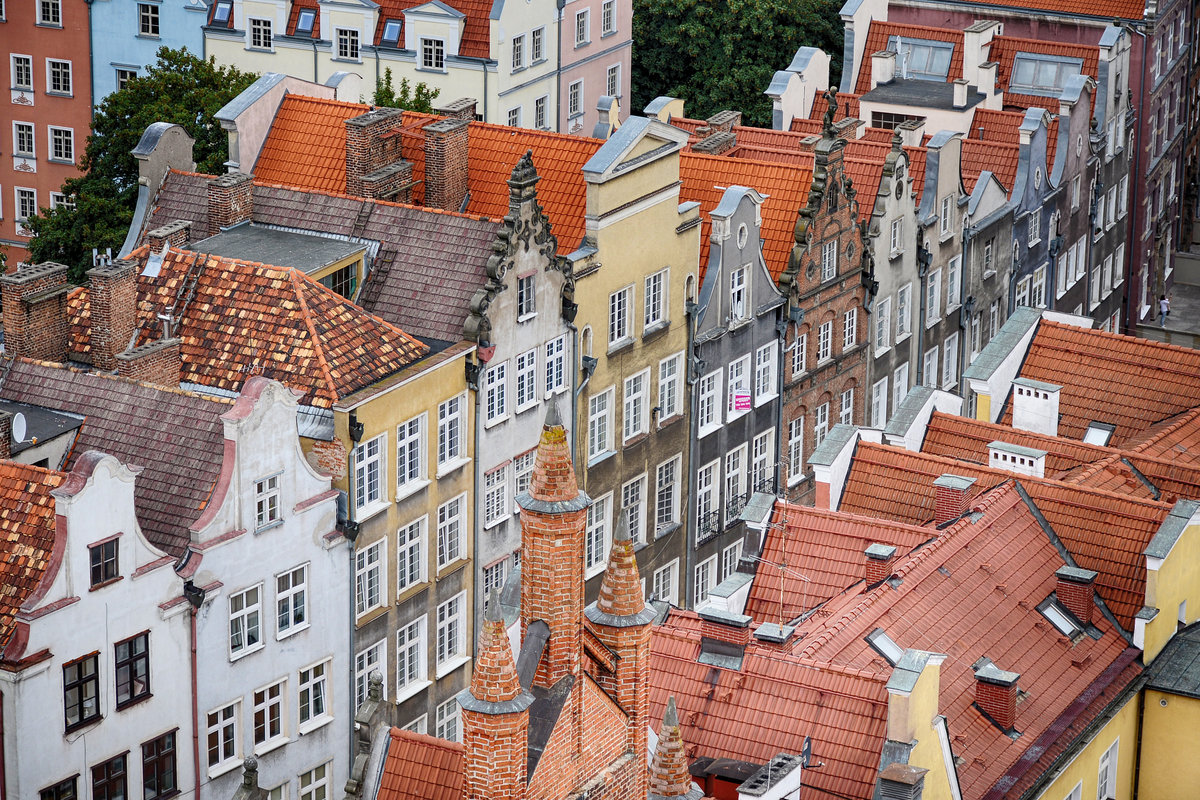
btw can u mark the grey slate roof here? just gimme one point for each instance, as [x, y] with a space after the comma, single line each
[176, 436]
[1177, 667]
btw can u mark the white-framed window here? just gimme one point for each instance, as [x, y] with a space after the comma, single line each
[707, 497]
[1034, 234]
[945, 223]
[49, 12]
[556, 365]
[929, 366]
[762, 459]
[975, 328]
[897, 236]
[655, 299]
[62, 144]
[58, 76]
[737, 293]
[291, 601]
[526, 380]
[1118, 267]
[450, 431]
[899, 384]
[849, 328]
[410, 554]
[820, 423]
[825, 341]
[372, 658]
[993, 319]
[664, 585]
[879, 399]
[582, 25]
[800, 354]
[514, 117]
[608, 17]
[738, 398]
[314, 693]
[633, 505]
[523, 471]
[537, 45]
[314, 784]
[883, 325]
[933, 298]
[597, 535]
[669, 397]
[268, 715]
[245, 621]
[148, 22]
[518, 52]
[795, 450]
[494, 577]
[708, 412]
[452, 631]
[526, 297]
[410, 658]
[1076, 185]
[410, 454]
[347, 44]
[829, 260]
[368, 472]
[1076, 793]
[637, 405]
[950, 362]
[1037, 291]
[766, 379]
[260, 33]
[989, 260]
[612, 80]
[370, 577]
[21, 71]
[575, 98]
[706, 579]
[600, 423]
[124, 76]
[23, 141]
[846, 407]
[266, 502]
[26, 203]
[666, 497]
[735, 482]
[619, 303]
[222, 736]
[495, 393]
[904, 311]
[433, 54]
[1022, 293]
[1106, 778]
[1123, 201]
[1112, 205]
[495, 496]
[539, 112]
[729, 560]
[450, 530]
[447, 717]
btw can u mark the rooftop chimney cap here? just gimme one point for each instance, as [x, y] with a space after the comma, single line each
[880, 552]
[988, 672]
[956, 482]
[1075, 574]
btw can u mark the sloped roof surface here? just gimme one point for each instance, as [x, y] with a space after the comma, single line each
[183, 195]
[1004, 49]
[1000, 159]
[995, 125]
[176, 436]
[421, 767]
[26, 535]
[847, 106]
[877, 40]
[306, 146]
[964, 438]
[727, 714]
[1102, 9]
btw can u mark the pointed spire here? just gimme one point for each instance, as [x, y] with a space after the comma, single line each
[669, 776]
[621, 587]
[553, 474]
[494, 679]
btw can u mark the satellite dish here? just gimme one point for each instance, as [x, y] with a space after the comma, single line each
[806, 752]
[18, 428]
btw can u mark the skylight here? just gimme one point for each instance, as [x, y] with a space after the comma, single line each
[391, 32]
[1099, 433]
[923, 59]
[1060, 619]
[883, 644]
[304, 23]
[221, 13]
[1034, 73]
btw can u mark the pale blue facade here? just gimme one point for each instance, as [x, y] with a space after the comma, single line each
[119, 43]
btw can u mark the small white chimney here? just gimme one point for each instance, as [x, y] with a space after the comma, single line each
[1014, 458]
[883, 67]
[960, 93]
[1035, 406]
[975, 41]
[987, 79]
[778, 780]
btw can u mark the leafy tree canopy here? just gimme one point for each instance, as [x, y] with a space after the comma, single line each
[179, 88]
[410, 98]
[721, 55]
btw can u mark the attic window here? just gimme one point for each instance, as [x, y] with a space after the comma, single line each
[882, 643]
[391, 33]
[304, 24]
[221, 11]
[923, 59]
[1099, 433]
[1034, 73]
[1060, 618]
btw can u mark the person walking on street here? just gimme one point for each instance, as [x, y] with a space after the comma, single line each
[1164, 308]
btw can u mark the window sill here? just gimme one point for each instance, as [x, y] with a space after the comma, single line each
[273, 524]
[445, 669]
[452, 466]
[489, 524]
[554, 392]
[895, 254]
[368, 614]
[315, 724]
[292, 631]
[59, 94]
[433, 70]
[367, 512]
[409, 489]
[267, 50]
[270, 745]
[245, 652]
[667, 530]
[596, 459]
[134, 702]
[412, 690]
[527, 317]
[575, 115]
[945, 237]
[491, 423]
[734, 416]
[706, 430]
[516, 71]
[537, 62]
[97, 586]
[763, 399]
[636, 439]
[618, 346]
[607, 34]
[882, 351]
[582, 44]
[54, 25]
[901, 338]
[592, 572]
[991, 273]
[527, 407]
[347, 60]
[223, 768]
[654, 329]
[671, 420]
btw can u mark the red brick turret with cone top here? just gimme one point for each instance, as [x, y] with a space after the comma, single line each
[669, 776]
[495, 718]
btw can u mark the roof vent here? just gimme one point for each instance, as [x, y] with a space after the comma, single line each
[1035, 406]
[901, 782]
[779, 779]
[1074, 591]
[1014, 458]
[951, 497]
[996, 693]
[773, 633]
[879, 562]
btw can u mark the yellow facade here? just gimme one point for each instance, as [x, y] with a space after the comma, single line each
[983, 407]
[1119, 735]
[1172, 587]
[913, 717]
[1170, 768]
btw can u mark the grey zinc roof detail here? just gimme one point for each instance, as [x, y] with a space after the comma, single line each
[729, 587]
[720, 615]
[598, 617]
[303, 251]
[802, 58]
[921, 94]
[907, 670]
[1111, 35]
[990, 673]
[612, 150]
[1076, 574]
[732, 198]
[906, 413]
[1030, 383]
[990, 358]
[656, 105]
[230, 111]
[41, 424]
[472, 703]
[758, 508]
[770, 775]
[150, 137]
[438, 4]
[528, 502]
[774, 632]
[1016, 449]
[779, 83]
[836, 439]
[1177, 668]
[531, 652]
[957, 482]
[880, 552]
[1171, 529]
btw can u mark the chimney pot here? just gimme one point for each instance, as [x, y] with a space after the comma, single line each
[177, 234]
[446, 174]
[1074, 590]
[879, 562]
[883, 67]
[462, 108]
[960, 93]
[724, 626]
[951, 493]
[996, 693]
[717, 143]
[157, 362]
[901, 782]
[724, 121]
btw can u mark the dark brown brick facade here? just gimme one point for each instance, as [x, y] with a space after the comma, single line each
[114, 311]
[35, 311]
[230, 201]
[154, 362]
[446, 164]
[374, 165]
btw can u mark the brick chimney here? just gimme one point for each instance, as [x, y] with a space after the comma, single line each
[6, 441]
[156, 362]
[35, 311]
[669, 775]
[996, 693]
[446, 164]
[1075, 591]
[553, 515]
[374, 164]
[724, 626]
[113, 293]
[495, 717]
[621, 620]
[716, 143]
[230, 201]
[177, 234]
[878, 564]
[723, 121]
[950, 492]
[462, 108]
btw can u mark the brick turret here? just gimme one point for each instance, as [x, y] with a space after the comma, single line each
[621, 619]
[553, 515]
[669, 776]
[495, 718]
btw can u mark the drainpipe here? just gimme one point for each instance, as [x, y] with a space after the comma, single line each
[485, 92]
[195, 598]
[314, 46]
[3, 765]
[694, 370]
[781, 326]
[924, 258]
[558, 68]
[350, 631]
[480, 367]
[376, 74]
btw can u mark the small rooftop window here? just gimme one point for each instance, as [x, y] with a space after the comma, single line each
[304, 23]
[1034, 73]
[1060, 618]
[391, 33]
[222, 10]
[923, 59]
[882, 643]
[1099, 433]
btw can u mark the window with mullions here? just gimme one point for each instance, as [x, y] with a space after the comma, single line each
[81, 691]
[63, 790]
[347, 44]
[110, 779]
[1034, 73]
[103, 558]
[158, 767]
[133, 669]
[344, 281]
[923, 59]
[433, 54]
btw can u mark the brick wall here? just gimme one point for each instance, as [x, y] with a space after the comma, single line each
[374, 164]
[230, 201]
[494, 755]
[950, 503]
[177, 234]
[35, 311]
[5, 435]
[877, 569]
[462, 108]
[1076, 597]
[1000, 702]
[155, 362]
[114, 311]
[557, 770]
[446, 164]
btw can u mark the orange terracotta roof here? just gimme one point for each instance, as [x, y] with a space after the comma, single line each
[765, 137]
[769, 706]
[692, 126]
[246, 319]
[706, 177]
[1098, 9]
[26, 536]
[1107, 377]
[877, 40]
[865, 176]
[847, 106]
[877, 135]
[967, 439]
[965, 595]
[1004, 49]
[994, 125]
[420, 767]
[1000, 159]
[808, 127]
[306, 146]
[826, 548]
[476, 30]
[774, 155]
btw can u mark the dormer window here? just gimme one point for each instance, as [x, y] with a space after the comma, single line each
[305, 22]
[1034, 73]
[391, 33]
[1099, 433]
[104, 565]
[882, 643]
[221, 12]
[1062, 620]
[923, 59]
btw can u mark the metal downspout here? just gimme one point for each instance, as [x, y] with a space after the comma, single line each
[693, 445]
[91, 64]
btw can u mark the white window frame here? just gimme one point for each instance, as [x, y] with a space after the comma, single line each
[849, 328]
[620, 308]
[412, 541]
[820, 424]
[433, 53]
[705, 580]
[900, 377]
[556, 366]
[411, 656]
[1106, 776]
[14, 71]
[739, 293]
[736, 469]
[68, 136]
[950, 362]
[945, 228]
[897, 237]
[54, 18]
[448, 716]
[583, 27]
[903, 312]
[23, 194]
[795, 450]
[315, 783]
[766, 373]
[495, 394]
[65, 68]
[349, 44]
[267, 502]
[228, 727]
[495, 497]
[24, 131]
[730, 556]
[762, 457]
[518, 53]
[246, 620]
[575, 98]
[451, 434]
[933, 298]
[540, 105]
[655, 296]
[708, 414]
[291, 601]
[636, 405]
[883, 326]
[799, 355]
[739, 383]
[365, 660]
[600, 424]
[314, 702]
[270, 700]
[608, 18]
[537, 45]
[829, 260]
[633, 505]
[526, 380]
[825, 342]
[879, 402]
[370, 470]
[149, 13]
[256, 27]
[664, 584]
[410, 455]
[370, 577]
[708, 494]
[612, 80]
[670, 398]
[451, 528]
[514, 117]
[597, 536]
[451, 626]
[667, 494]
[526, 296]
[929, 366]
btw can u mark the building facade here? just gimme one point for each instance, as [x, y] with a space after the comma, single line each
[595, 50]
[125, 38]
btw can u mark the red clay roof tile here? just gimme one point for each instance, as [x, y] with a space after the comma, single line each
[877, 40]
[306, 146]
[420, 767]
[1097, 9]
[979, 156]
[26, 536]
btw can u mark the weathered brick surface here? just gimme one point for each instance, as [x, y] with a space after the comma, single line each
[877, 569]
[114, 311]
[374, 164]
[494, 755]
[669, 776]
[176, 234]
[446, 164]
[230, 201]
[950, 503]
[1000, 702]
[35, 311]
[155, 362]
[1077, 597]
[329, 458]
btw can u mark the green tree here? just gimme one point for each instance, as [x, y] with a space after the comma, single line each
[179, 88]
[410, 98]
[722, 55]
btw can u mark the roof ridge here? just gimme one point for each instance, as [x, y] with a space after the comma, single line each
[17, 466]
[378, 201]
[1185, 417]
[1041, 42]
[317, 345]
[108, 376]
[1105, 449]
[915, 27]
[425, 738]
[327, 101]
[188, 174]
[825, 513]
[1152, 343]
[738, 161]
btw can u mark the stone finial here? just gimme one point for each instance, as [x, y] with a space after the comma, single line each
[524, 174]
[669, 776]
[831, 108]
[494, 679]
[250, 772]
